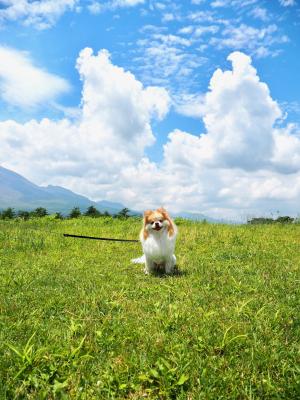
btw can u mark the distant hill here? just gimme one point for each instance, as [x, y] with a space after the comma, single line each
[196, 217]
[21, 194]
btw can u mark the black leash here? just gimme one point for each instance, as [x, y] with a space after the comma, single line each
[80, 236]
[100, 238]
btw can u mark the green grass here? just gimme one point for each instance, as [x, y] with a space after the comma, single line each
[78, 321]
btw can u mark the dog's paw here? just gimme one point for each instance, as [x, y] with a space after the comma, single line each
[140, 260]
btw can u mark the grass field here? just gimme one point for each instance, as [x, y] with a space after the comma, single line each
[78, 321]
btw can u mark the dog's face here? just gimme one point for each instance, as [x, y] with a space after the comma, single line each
[156, 221]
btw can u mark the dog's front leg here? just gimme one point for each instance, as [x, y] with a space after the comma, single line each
[170, 265]
[149, 266]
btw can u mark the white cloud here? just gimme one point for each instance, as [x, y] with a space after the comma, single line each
[241, 166]
[171, 40]
[232, 3]
[286, 155]
[240, 118]
[166, 59]
[127, 3]
[256, 41]
[96, 7]
[201, 16]
[40, 13]
[186, 30]
[23, 84]
[116, 104]
[260, 13]
[189, 104]
[202, 30]
[111, 132]
[244, 164]
[287, 3]
[167, 17]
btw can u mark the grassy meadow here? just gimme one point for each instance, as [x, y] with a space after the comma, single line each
[78, 321]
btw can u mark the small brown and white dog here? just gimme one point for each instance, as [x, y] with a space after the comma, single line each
[158, 237]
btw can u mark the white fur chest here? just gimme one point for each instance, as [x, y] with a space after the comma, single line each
[158, 246]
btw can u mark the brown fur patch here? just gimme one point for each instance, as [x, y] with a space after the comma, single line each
[145, 234]
[170, 228]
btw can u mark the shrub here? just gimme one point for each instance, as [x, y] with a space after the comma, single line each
[39, 212]
[75, 212]
[285, 220]
[124, 213]
[92, 212]
[58, 215]
[260, 220]
[9, 213]
[24, 214]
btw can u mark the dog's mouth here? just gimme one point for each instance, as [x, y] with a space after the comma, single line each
[157, 228]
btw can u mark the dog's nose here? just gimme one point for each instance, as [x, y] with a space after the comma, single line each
[156, 224]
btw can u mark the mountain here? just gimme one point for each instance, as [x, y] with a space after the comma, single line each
[21, 194]
[195, 217]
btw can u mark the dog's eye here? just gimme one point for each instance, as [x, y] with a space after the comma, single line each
[160, 220]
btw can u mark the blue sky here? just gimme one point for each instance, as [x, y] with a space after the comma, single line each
[145, 122]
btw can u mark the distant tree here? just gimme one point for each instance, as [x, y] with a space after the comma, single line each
[123, 213]
[9, 213]
[106, 214]
[40, 212]
[23, 214]
[75, 212]
[92, 212]
[285, 220]
[260, 220]
[58, 215]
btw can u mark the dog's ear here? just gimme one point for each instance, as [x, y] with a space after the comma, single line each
[171, 229]
[145, 234]
[147, 213]
[163, 211]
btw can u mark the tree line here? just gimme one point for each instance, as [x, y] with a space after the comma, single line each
[39, 212]
[281, 220]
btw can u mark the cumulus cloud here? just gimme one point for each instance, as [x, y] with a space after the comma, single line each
[189, 104]
[245, 162]
[240, 114]
[41, 14]
[240, 118]
[286, 155]
[242, 165]
[112, 131]
[116, 104]
[23, 84]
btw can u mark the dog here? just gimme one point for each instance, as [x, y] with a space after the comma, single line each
[158, 237]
